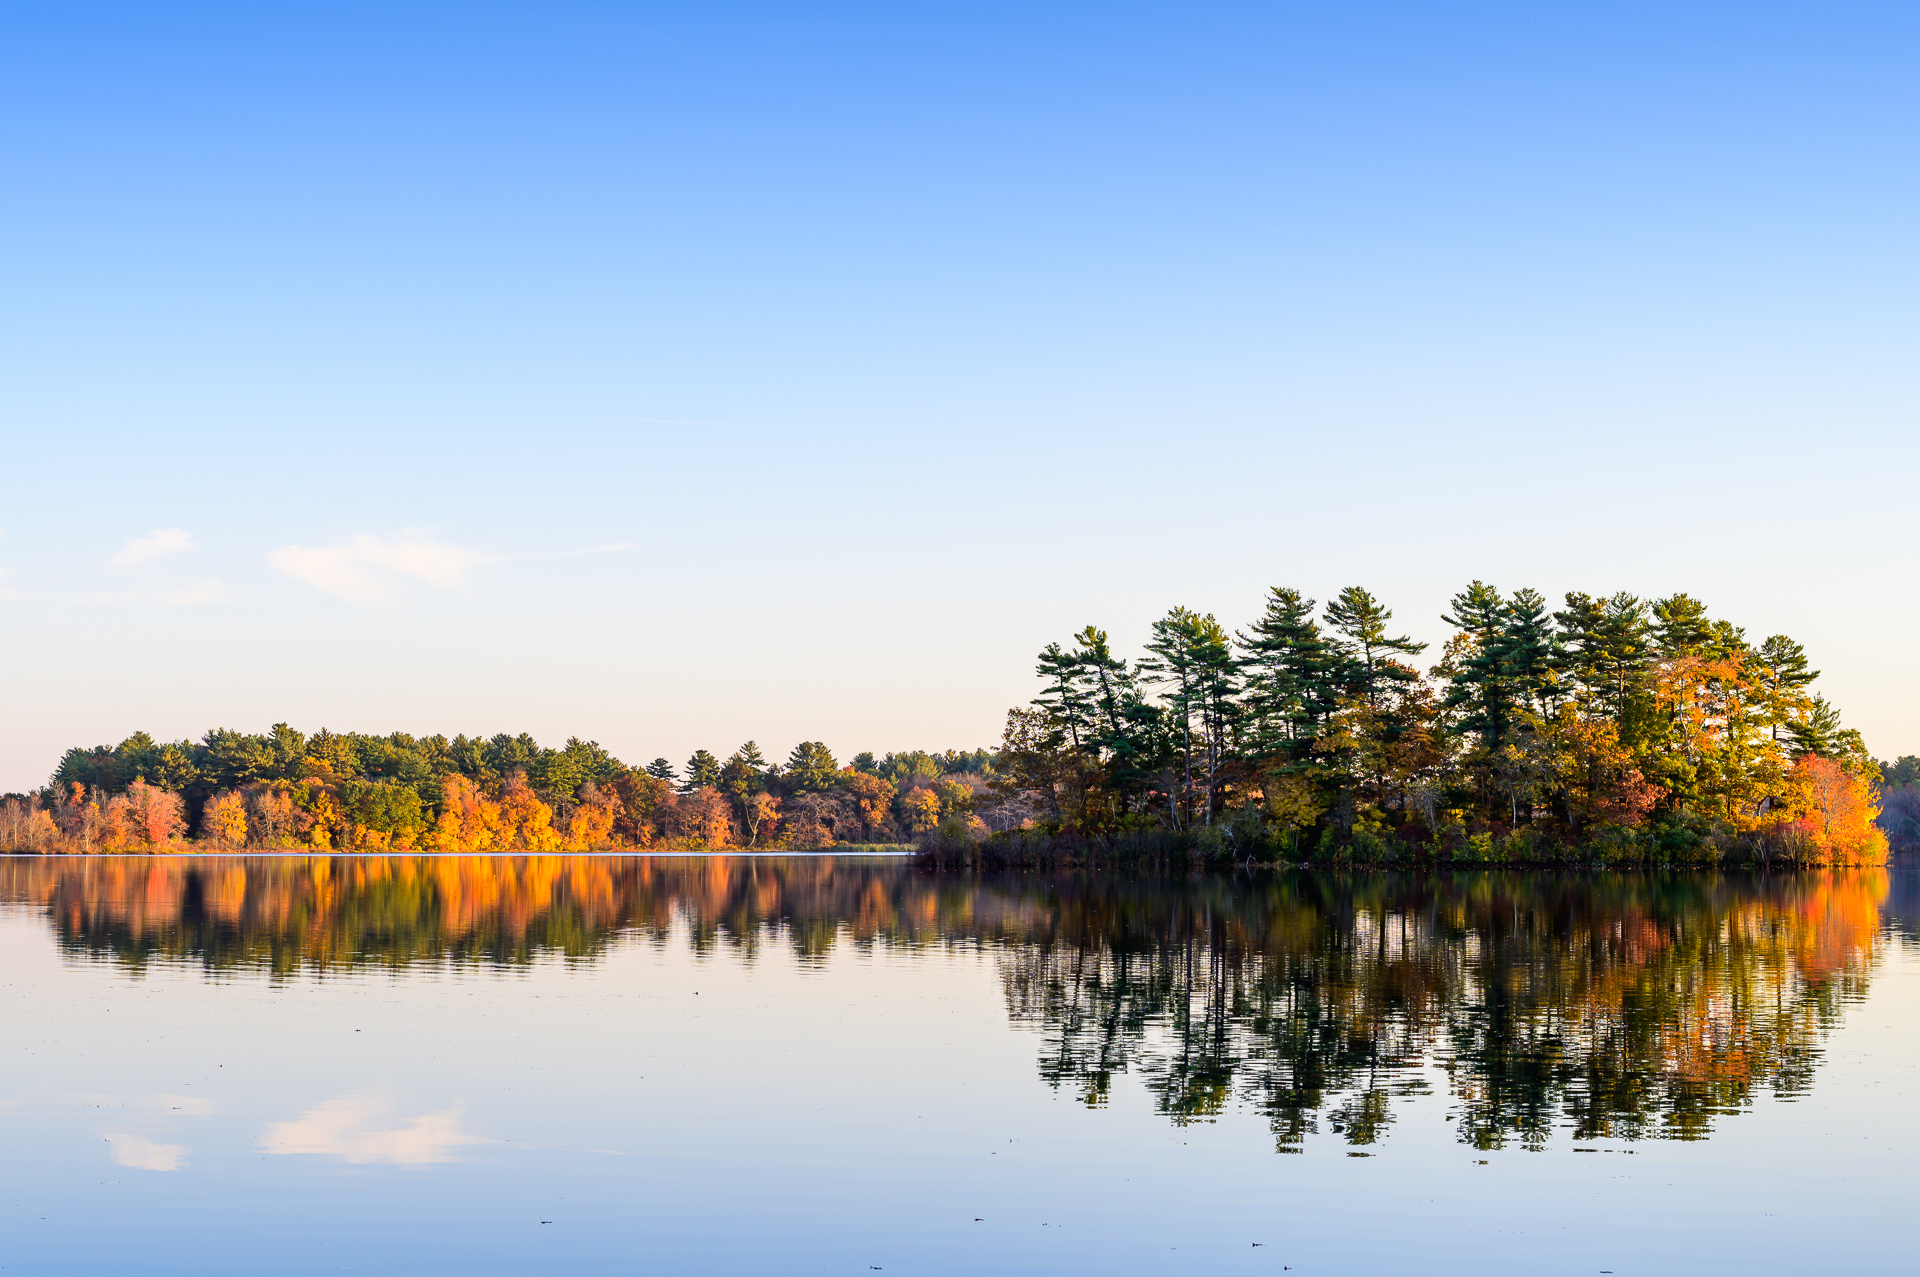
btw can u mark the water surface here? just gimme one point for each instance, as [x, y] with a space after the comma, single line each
[836, 1065]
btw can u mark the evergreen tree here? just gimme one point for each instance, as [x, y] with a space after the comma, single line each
[1062, 699]
[810, 768]
[1175, 666]
[703, 772]
[1290, 677]
[1680, 626]
[1605, 646]
[1102, 684]
[661, 769]
[1477, 691]
[1529, 653]
[1109, 691]
[1360, 624]
[1817, 730]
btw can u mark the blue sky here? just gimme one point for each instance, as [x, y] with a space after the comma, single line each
[674, 376]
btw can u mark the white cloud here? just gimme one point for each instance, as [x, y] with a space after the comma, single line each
[340, 1128]
[161, 541]
[145, 1155]
[363, 570]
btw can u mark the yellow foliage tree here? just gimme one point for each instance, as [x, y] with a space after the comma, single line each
[224, 819]
[922, 808]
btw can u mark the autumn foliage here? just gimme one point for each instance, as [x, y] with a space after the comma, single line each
[285, 791]
[1613, 730]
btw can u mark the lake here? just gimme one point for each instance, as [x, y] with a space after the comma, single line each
[847, 1065]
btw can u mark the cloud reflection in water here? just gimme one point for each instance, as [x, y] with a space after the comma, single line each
[343, 1128]
[145, 1155]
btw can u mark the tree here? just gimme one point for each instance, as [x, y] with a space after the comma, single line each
[1477, 691]
[1291, 688]
[1359, 623]
[1529, 653]
[811, 769]
[703, 772]
[1061, 698]
[1782, 673]
[743, 780]
[1839, 812]
[224, 819]
[1175, 666]
[661, 769]
[1680, 626]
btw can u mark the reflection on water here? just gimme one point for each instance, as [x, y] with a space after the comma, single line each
[1620, 1006]
[143, 1154]
[345, 1129]
[1626, 1006]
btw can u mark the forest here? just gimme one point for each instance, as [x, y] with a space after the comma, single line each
[288, 791]
[1611, 730]
[1614, 730]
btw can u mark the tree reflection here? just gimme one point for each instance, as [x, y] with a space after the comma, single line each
[1619, 1006]
[286, 914]
[1627, 1006]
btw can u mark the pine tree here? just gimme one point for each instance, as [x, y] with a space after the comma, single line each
[1290, 684]
[1816, 730]
[1360, 623]
[1529, 652]
[1476, 690]
[810, 768]
[703, 772]
[1219, 702]
[1109, 690]
[1062, 699]
[1605, 648]
[1102, 684]
[1174, 665]
[1680, 626]
[661, 769]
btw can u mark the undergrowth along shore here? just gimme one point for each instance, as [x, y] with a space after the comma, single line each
[1675, 845]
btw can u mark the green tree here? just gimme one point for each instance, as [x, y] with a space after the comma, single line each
[1291, 683]
[1782, 673]
[811, 768]
[703, 772]
[1529, 652]
[1477, 692]
[1359, 624]
[743, 780]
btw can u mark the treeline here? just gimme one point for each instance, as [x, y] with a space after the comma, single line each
[286, 790]
[1900, 802]
[1614, 729]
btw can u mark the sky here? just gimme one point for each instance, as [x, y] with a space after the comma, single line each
[671, 376]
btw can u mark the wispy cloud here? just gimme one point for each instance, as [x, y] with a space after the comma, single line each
[159, 542]
[343, 1128]
[145, 1155]
[365, 569]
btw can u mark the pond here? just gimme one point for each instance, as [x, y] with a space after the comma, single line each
[847, 1065]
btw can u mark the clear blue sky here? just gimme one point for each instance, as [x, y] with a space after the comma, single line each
[347, 353]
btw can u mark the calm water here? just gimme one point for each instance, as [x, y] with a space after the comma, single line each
[839, 1065]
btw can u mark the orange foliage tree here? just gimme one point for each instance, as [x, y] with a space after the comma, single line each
[1835, 809]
